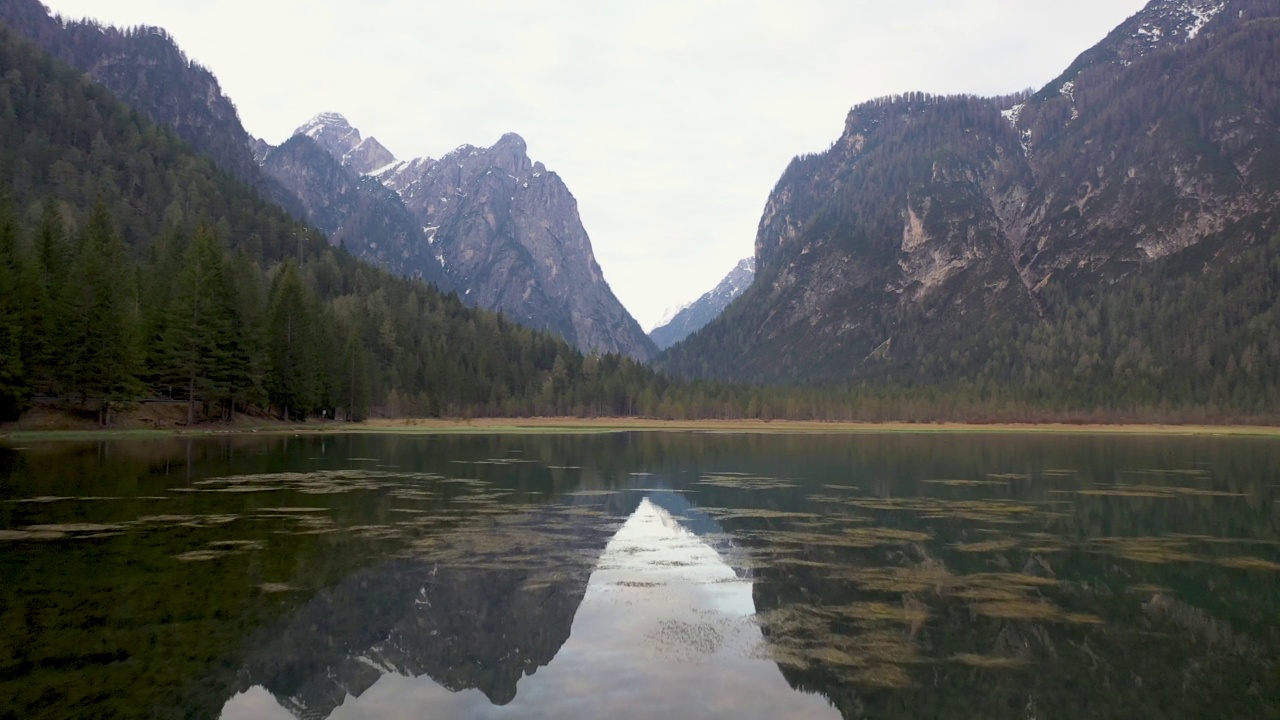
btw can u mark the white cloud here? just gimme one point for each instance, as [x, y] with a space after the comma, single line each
[670, 120]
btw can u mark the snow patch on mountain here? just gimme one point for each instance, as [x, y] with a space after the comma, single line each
[670, 314]
[1172, 21]
[1013, 113]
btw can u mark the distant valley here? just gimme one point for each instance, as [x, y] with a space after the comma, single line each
[694, 316]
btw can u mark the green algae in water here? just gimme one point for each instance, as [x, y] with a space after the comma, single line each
[987, 546]
[69, 528]
[745, 482]
[276, 588]
[1249, 563]
[988, 662]
[30, 535]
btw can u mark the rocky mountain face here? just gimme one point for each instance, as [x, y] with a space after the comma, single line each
[333, 133]
[693, 317]
[954, 238]
[145, 69]
[353, 209]
[498, 228]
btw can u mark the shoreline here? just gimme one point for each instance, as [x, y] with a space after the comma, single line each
[571, 426]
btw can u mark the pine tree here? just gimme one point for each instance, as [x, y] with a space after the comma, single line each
[197, 340]
[247, 349]
[15, 386]
[102, 357]
[53, 267]
[293, 366]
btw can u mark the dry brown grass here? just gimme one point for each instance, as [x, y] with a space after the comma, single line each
[53, 425]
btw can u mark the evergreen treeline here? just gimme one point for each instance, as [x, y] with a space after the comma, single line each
[84, 319]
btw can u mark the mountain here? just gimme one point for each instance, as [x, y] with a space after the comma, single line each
[504, 230]
[333, 133]
[535, 266]
[133, 268]
[1111, 238]
[693, 317]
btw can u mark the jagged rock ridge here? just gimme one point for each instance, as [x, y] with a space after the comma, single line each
[694, 316]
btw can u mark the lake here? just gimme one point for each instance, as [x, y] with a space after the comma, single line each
[641, 575]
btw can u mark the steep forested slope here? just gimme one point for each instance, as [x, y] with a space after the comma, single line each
[144, 68]
[1108, 241]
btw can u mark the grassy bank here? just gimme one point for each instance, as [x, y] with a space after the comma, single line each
[605, 425]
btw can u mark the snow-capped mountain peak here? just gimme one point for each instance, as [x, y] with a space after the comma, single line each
[333, 132]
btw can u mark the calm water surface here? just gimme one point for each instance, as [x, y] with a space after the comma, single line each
[649, 575]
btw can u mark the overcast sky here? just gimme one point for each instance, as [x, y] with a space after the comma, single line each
[669, 120]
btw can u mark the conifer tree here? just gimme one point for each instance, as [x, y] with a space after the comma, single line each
[102, 357]
[14, 383]
[248, 361]
[292, 378]
[53, 266]
[198, 338]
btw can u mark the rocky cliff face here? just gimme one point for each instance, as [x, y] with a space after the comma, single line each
[934, 221]
[503, 230]
[333, 133]
[693, 317]
[353, 209]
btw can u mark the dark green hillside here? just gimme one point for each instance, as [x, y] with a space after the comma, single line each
[144, 68]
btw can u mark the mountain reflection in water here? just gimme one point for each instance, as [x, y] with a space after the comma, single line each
[664, 627]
